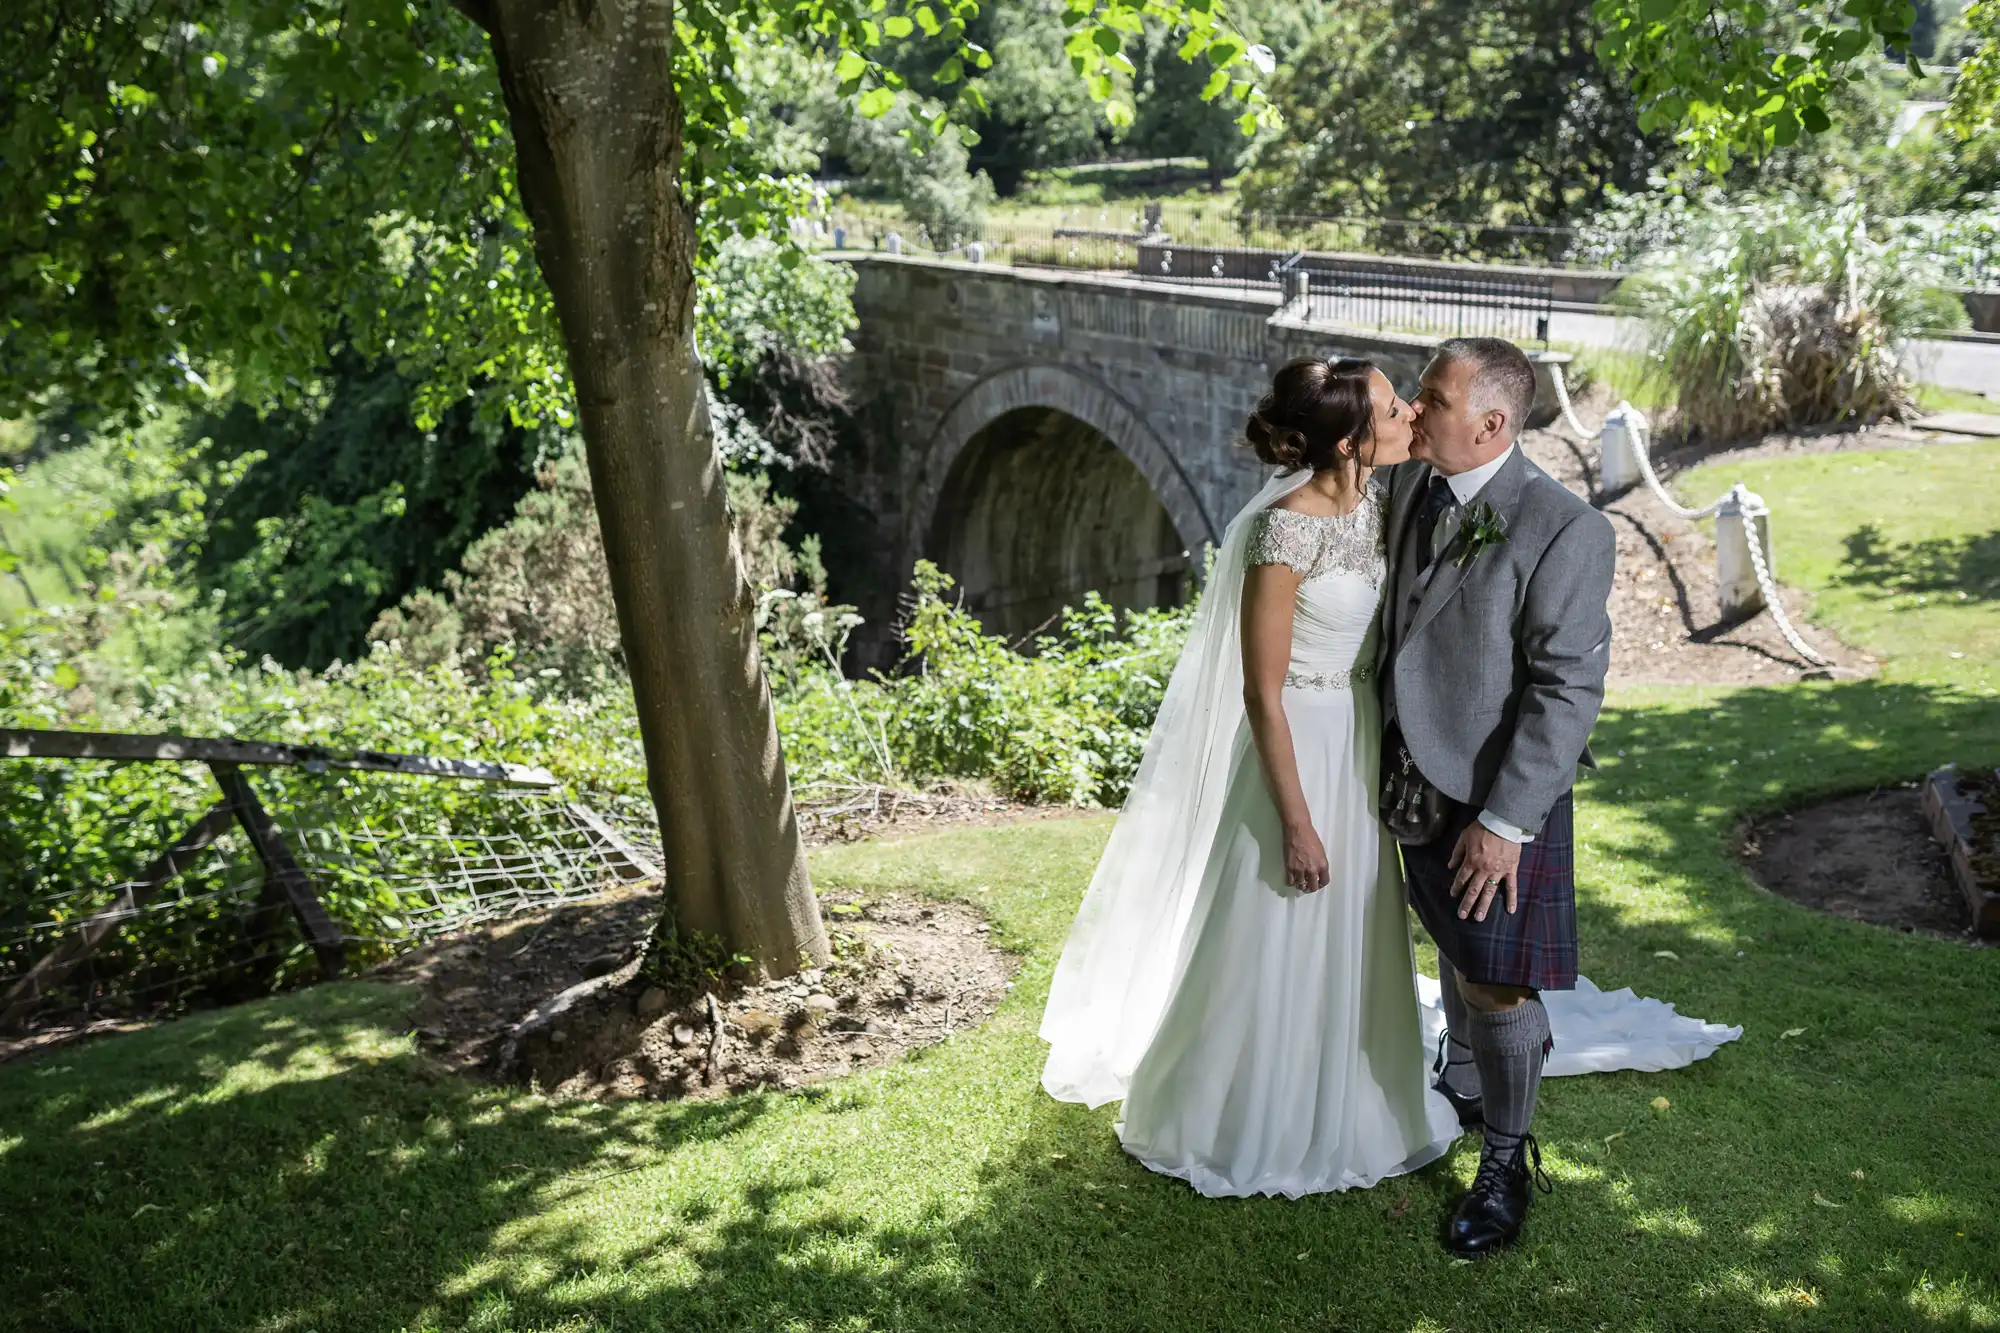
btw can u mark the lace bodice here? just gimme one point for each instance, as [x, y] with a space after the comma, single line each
[1341, 560]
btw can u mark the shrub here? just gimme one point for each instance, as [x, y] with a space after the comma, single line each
[1776, 316]
[1066, 725]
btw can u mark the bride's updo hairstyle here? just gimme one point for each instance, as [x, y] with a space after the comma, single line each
[1313, 405]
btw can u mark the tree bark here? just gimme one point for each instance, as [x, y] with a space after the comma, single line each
[599, 136]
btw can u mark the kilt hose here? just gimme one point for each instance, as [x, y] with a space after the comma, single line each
[1534, 946]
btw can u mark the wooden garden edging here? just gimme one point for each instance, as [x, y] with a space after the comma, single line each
[286, 884]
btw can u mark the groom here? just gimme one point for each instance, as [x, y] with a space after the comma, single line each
[1494, 654]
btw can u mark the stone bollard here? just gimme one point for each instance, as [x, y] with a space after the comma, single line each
[894, 245]
[1743, 512]
[1298, 288]
[1619, 440]
[976, 253]
[840, 238]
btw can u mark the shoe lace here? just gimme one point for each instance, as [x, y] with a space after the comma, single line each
[1498, 1167]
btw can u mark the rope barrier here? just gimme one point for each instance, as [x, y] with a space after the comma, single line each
[1562, 398]
[1747, 506]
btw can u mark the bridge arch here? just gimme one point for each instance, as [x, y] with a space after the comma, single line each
[1041, 483]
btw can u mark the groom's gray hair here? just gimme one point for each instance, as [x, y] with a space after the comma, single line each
[1502, 377]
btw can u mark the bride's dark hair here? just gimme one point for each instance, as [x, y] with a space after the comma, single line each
[1313, 405]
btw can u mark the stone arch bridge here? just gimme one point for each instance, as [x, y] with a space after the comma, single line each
[1042, 433]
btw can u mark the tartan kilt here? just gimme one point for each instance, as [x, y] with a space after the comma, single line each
[1534, 946]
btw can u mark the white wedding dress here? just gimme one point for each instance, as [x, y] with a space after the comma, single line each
[1263, 1040]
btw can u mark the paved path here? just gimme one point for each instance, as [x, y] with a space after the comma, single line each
[1956, 365]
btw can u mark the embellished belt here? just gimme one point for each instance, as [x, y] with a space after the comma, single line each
[1329, 680]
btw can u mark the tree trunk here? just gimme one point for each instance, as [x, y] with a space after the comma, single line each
[598, 132]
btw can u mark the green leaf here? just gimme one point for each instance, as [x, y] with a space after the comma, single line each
[1850, 43]
[851, 65]
[876, 102]
[1217, 81]
[1815, 119]
[1657, 11]
[66, 677]
[1106, 40]
[896, 25]
[1118, 112]
[928, 21]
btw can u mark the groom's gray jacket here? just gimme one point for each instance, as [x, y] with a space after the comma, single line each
[1494, 668]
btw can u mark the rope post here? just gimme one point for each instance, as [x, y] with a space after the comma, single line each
[1619, 440]
[894, 243]
[1743, 518]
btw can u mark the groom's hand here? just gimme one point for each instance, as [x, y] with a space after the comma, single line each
[1484, 861]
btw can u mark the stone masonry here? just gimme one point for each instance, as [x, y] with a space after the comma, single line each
[1166, 374]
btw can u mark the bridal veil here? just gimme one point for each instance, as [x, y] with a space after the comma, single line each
[1125, 948]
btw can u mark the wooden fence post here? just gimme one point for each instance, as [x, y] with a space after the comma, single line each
[281, 873]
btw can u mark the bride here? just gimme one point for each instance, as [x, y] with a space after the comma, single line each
[1240, 973]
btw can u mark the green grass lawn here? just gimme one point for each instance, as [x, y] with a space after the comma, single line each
[1900, 549]
[297, 1165]
[1938, 398]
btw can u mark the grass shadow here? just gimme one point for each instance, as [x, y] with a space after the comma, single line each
[296, 1165]
[1967, 565]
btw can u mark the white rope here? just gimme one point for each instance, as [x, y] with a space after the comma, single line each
[1769, 587]
[1562, 397]
[1642, 453]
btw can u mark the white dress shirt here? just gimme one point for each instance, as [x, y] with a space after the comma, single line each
[1465, 488]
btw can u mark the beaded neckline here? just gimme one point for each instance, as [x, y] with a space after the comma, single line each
[1320, 544]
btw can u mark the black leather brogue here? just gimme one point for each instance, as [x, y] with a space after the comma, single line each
[1489, 1218]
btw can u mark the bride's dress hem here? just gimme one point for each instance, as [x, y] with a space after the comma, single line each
[1213, 1184]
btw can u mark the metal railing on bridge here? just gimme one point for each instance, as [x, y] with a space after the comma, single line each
[1455, 285]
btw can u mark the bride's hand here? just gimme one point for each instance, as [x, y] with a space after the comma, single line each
[1305, 860]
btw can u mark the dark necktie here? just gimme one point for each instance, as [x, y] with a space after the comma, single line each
[1438, 499]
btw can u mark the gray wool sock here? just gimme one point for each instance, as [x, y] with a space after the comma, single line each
[1461, 1074]
[1509, 1046]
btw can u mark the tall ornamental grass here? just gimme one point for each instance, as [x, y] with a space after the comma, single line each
[1773, 315]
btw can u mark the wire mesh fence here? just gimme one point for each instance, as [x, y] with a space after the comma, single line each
[395, 860]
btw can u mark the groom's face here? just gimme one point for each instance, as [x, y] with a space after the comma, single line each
[1449, 435]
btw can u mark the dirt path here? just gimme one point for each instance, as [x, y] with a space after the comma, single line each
[1665, 610]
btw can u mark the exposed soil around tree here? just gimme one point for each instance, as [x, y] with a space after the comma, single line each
[481, 983]
[556, 998]
[1868, 857]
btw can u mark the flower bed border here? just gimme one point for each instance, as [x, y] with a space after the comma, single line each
[1950, 812]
